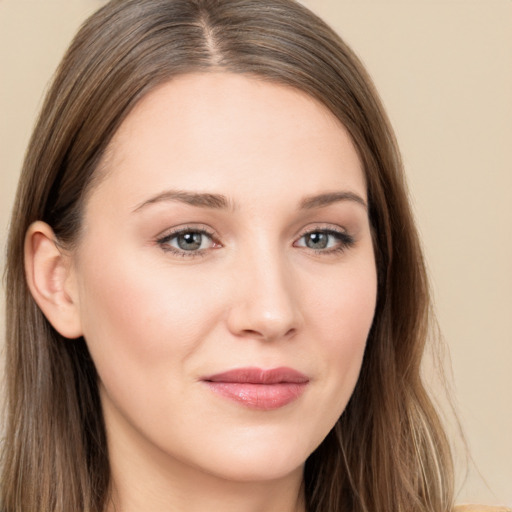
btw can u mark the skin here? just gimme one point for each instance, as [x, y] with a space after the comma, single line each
[157, 318]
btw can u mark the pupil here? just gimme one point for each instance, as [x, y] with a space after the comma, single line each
[317, 241]
[189, 241]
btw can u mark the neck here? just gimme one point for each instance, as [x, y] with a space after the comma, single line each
[144, 479]
[198, 495]
[189, 490]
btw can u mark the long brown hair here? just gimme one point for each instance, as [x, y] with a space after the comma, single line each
[388, 450]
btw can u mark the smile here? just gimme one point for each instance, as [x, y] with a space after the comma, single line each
[259, 389]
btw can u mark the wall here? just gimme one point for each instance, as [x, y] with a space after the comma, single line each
[443, 68]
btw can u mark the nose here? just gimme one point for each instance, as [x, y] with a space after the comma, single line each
[265, 299]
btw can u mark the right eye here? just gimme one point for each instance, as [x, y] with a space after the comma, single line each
[187, 242]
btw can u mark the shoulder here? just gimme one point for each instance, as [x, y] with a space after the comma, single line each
[480, 508]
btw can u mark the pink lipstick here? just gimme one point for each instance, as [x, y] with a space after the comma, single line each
[259, 389]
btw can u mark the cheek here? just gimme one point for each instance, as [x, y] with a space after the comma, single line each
[137, 317]
[342, 318]
[344, 307]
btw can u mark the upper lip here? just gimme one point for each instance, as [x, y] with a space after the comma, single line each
[252, 375]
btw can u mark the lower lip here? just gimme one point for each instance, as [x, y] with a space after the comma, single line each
[259, 396]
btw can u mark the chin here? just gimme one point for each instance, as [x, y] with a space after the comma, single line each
[258, 459]
[259, 469]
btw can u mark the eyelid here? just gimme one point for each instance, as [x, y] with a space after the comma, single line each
[322, 227]
[184, 228]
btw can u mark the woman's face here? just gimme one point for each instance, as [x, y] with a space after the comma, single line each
[225, 278]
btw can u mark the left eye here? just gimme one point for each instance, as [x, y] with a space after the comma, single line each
[325, 240]
[188, 241]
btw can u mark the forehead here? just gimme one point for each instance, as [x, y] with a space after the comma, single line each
[211, 130]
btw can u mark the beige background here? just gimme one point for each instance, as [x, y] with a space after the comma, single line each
[444, 70]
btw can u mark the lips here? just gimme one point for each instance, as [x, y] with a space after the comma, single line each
[256, 388]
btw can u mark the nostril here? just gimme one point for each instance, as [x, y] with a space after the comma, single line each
[268, 334]
[251, 332]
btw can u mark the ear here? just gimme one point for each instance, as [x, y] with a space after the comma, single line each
[51, 279]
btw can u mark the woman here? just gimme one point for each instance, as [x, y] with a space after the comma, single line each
[222, 302]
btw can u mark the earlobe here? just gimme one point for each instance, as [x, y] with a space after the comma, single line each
[50, 279]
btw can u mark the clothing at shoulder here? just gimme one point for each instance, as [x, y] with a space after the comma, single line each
[480, 508]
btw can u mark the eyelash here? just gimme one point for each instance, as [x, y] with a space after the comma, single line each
[345, 241]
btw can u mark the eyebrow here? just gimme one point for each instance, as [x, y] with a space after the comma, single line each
[219, 201]
[322, 200]
[201, 200]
